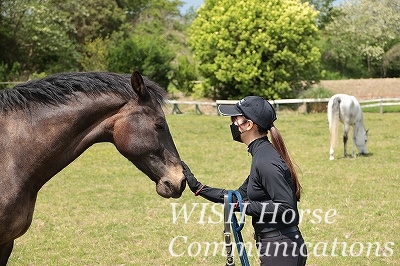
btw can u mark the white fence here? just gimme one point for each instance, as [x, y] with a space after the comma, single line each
[381, 103]
[176, 110]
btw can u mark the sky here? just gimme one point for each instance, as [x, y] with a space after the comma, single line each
[197, 3]
[188, 3]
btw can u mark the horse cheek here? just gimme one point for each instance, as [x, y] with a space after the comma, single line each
[131, 144]
[123, 140]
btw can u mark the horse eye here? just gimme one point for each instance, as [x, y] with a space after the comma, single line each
[160, 127]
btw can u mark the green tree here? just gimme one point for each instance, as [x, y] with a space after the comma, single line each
[91, 19]
[359, 36]
[184, 73]
[67, 35]
[155, 40]
[391, 60]
[326, 11]
[147, 53]
[95, 53]
[92, 23]
[139, 9]
[256, 47]
[35, 37]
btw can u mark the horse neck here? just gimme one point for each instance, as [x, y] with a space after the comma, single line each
[54, 137]
[360, 118]
[359, 126]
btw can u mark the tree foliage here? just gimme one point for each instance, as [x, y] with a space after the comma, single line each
[256, 47]
[185, 74]
[35, 37]
[362, 33]
[148, 54]
[326, 11]
[264, 47]
[91, 19]
[151, 44]
[66, 35]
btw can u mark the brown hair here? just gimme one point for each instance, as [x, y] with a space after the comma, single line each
[279, 145]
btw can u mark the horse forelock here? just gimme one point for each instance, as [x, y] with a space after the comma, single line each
[60, 89]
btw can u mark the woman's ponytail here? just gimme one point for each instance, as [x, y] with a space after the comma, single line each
[280, 146]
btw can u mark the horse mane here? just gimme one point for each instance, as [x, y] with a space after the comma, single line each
[61, 88]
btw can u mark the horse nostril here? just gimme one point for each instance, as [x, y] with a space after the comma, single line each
[183, 185]
[175, 189]
[169, 185]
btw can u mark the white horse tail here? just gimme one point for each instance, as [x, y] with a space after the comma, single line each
[334, 121]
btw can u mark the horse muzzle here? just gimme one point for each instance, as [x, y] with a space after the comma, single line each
[169, 188]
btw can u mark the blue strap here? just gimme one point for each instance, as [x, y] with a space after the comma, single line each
[237, 227]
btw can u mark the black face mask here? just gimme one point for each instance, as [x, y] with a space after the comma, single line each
[235, 132]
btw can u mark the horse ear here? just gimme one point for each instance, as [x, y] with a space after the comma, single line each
[138, 85]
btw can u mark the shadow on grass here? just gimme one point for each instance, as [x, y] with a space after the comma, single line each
[365, 154]
[358, 155]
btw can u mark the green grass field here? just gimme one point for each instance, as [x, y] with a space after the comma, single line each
[101, 210]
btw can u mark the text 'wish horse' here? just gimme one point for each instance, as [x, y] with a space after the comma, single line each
[346, 109]
[47, 123]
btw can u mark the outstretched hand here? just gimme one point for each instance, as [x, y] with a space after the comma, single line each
[194, 185]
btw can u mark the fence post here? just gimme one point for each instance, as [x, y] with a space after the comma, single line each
[381, 107]
[175, 109]
[198, 111]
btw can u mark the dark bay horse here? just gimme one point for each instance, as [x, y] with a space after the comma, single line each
[48, 123]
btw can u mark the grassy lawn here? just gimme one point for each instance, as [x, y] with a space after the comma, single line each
[101, 210]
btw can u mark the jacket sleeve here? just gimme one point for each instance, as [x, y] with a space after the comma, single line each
[217, 194]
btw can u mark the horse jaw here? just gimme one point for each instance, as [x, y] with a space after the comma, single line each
[361, 143]
[164, 190]
[362, 150]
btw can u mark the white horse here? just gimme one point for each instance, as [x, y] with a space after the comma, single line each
[346, 109]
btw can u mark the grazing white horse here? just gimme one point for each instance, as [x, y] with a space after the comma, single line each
[346, 109]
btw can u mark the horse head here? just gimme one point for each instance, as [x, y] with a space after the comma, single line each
[141, 134]
[361, 140]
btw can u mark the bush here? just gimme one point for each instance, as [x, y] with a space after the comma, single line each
[147, 54]
[316, 93]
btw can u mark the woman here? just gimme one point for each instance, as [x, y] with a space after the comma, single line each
[271, 190]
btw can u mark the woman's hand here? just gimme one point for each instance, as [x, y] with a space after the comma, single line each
[194, 185]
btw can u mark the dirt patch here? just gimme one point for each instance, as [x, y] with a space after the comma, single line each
[365, 88]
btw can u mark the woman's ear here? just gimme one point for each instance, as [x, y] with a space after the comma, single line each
[250, 125]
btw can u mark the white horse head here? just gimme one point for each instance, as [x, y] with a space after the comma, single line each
[361, 138]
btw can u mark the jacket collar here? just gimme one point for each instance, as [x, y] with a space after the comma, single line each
[255, 144]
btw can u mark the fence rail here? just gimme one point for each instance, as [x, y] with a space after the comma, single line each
[12, 82]
[381, 102]
[176, 110]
